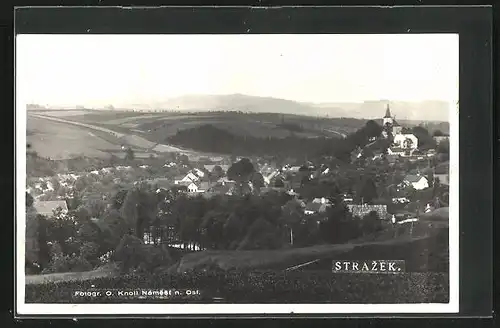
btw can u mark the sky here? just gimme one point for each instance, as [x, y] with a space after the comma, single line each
[97, 70]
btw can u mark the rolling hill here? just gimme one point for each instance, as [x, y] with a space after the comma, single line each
[431, 110]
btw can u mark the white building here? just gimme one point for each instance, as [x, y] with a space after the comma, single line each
[406, 141]
[418, 182]
[199, 173]
[190, 177]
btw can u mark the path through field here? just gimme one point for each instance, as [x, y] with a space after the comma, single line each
[129, 139]
[343, 135]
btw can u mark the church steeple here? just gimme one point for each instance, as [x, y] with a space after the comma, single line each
[388, 120]
[387, 112]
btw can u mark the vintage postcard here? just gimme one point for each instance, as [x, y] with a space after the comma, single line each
[237, 174]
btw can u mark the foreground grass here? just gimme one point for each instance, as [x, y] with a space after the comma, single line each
[280, 259]
[108, 271]
[257, 287]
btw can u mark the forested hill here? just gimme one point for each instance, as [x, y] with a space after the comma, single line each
[208, 138]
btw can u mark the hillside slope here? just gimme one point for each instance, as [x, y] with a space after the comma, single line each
[430, 110]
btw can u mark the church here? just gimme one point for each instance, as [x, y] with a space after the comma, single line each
[403, 144]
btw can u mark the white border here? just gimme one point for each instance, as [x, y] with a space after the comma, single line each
[257, 309]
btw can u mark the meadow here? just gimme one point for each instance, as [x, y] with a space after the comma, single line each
[61, 141]
[158, 126]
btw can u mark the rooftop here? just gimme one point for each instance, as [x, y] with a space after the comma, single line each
[413, 178]
[48, 207]
[314, 207]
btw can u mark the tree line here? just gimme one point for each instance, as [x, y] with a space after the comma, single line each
[209, 138]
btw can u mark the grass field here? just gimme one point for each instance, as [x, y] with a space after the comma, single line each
[282, 259]
[110, 271]
[149, 131]
[62, 141]
[257, 287]
[158, 126]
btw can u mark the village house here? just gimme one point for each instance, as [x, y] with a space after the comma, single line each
[402, 217]
[347, 198]
[315, 208]
[199, 173]
[364, 209]
[106, 170]
[418, 182]
[268, 179]
[190, 177]
[209, 167]
[47, 208]
[267, 169]
[406, 141]
[321, 200]
[400, 198]
[225, 181]
[396, 151]
[123, 168]
[170, 164]
[190, 185]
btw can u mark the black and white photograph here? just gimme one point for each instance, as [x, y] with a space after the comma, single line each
[237, 173]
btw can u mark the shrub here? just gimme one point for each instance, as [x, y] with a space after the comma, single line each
[68, 263]
[132, 254]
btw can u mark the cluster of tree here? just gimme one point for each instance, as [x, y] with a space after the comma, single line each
[444, 147]
[425, 139]
[78, 240]
[211, 139]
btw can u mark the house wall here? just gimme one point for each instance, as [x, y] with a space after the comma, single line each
[400, 139]
[421, 184]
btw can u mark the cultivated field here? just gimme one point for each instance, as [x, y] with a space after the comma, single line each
[98, 133]
[62, 137]
[61, 141]
[158, 126]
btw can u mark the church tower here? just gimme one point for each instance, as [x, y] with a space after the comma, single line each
[388, 118]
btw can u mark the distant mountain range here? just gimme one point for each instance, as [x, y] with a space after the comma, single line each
[431, 110]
